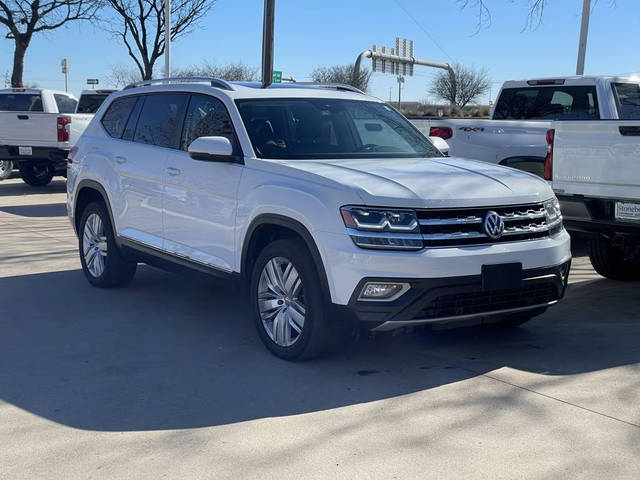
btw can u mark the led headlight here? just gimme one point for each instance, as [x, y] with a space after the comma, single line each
[383, 228]
[553, 214]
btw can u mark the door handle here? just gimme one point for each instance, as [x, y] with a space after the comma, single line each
[23, 117]
[173, 171]
[120, 159]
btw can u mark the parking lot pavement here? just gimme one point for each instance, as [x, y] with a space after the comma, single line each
[167, 379]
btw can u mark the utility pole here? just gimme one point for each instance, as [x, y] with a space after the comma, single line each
[584, 31]
[64, 63]
[167, 38]
[268, 29]
[400, 82]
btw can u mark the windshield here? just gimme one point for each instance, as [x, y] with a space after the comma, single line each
[627, 100]
[20, 102]
[328, 128]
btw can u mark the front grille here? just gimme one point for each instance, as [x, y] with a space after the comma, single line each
[471, 303]
[453, 227]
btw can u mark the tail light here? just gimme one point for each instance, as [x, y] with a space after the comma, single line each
[72, 154]
[442, 132]
[64, 126]
[548, 160]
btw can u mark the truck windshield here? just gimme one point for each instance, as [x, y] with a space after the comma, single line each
[627, 100]
[556, 102]
[328, 128]
[20, 102]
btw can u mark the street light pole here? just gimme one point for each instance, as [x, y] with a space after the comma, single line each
[584, 31]
[268, 32]
[167, 38]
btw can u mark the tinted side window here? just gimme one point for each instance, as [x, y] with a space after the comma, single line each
[130, 129]
[627, 100]
[160, 119]
[206, 117]
[90, 103]
[116, 116]
[65, 104]
[548, 103]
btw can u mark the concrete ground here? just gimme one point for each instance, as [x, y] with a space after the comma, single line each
[167, 379]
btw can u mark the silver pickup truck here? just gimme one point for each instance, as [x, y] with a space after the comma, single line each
[38, 127]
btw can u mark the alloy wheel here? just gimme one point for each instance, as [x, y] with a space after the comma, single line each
[281, 301]
[94, 245]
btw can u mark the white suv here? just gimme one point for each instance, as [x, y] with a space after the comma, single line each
[331, 206]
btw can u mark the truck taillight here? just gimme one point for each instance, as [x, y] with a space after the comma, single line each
[64, 125]
[548, 160]
[442, 132]
[72, 154]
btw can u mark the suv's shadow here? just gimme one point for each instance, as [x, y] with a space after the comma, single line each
[15, 187]
[169, 353]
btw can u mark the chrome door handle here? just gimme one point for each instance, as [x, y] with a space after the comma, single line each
[120, 159]
[173, 171]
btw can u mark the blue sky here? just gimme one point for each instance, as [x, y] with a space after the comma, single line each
[312, 33]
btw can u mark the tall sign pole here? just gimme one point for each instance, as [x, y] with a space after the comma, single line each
[268, 28]
[584, 31]
[167, 38]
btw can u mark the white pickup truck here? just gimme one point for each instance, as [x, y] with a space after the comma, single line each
[38, 127]
[515, 134]
[595, 167]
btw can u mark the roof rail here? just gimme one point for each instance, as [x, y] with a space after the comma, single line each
[337, 86]
[215, 82]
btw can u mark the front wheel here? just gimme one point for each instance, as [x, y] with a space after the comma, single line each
[6, 167]
[36, 174]
[288, 302]
[102, 261]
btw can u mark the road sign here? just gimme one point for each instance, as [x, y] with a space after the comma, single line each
[92, 81]
[404, 48]
[382, 65]
[64, 64]
[277, 76]
[403, 66]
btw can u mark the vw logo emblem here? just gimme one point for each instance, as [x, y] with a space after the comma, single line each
[493, 225]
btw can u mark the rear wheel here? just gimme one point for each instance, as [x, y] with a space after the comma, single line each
[102, 261]
[612, 262]
[288, 302]
[6, 166]
[36, 174]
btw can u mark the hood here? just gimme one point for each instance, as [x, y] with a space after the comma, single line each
[430, 182]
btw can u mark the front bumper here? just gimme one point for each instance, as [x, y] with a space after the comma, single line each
[460, 299]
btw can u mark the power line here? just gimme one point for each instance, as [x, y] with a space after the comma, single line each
[423, 29]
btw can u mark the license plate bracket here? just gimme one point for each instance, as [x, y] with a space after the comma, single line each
[26, 151]
[501, 276]
[628, 211]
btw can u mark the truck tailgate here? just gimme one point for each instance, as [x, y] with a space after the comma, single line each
[28, 128]
[597, 158]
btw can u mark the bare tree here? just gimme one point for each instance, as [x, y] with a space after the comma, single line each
[120, 76]
[231, 71]
[462, 88]
[140, 26]
[342, 74]
[24, 18]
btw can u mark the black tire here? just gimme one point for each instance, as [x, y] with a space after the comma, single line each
[36, 174]
[516, 319]
[6, 167]
[611, 262]
[316, 337]
[117, 271]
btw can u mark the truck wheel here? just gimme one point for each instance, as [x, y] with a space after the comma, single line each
[102, 261]
[611, 262]
[6, 166]
[288, 303]
[36, 174]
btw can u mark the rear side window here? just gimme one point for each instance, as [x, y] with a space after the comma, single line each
[206, 117]
[627, 100]
[556, 102]
[160, 120]
[90, 103]
[65, 104]
[116, 116]
[20, 102]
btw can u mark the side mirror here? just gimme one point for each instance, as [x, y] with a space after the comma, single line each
[212, 149]
[441, 144]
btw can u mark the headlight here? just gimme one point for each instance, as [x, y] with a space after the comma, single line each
[383, 228]
[552, 211]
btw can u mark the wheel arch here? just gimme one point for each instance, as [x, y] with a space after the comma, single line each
[268, 227]
[89, 191]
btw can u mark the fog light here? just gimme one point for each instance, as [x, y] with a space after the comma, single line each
[382, 291]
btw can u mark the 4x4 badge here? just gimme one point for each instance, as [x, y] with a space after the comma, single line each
[493, 225]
